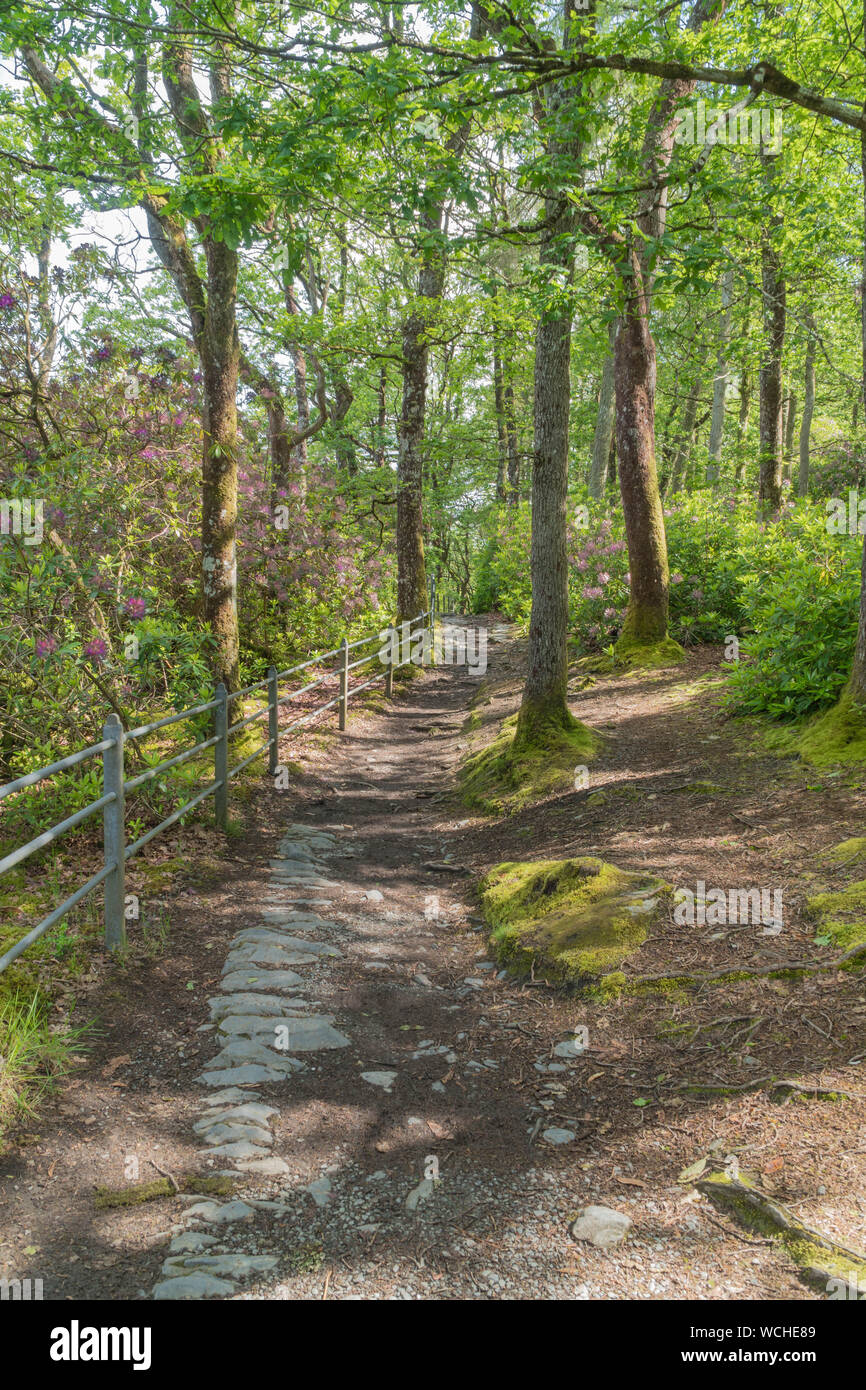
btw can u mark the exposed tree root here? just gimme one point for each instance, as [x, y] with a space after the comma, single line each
[820, 1258]
[782, 967]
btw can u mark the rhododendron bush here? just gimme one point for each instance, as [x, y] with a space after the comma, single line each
[105, 611]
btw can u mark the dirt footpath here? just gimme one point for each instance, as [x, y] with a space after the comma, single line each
[454, 1173]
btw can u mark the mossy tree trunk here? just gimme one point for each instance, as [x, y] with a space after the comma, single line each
[544, 705]
[544, 701]
[220, 359]
[646, 619]
[858, 670]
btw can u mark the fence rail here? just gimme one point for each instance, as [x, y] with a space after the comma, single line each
[116, 786]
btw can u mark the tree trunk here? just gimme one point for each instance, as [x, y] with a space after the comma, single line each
[720, 380]
[646, 618]
[544, 703]
[645, 625]
[612, 476]
[790, 426]
[220, 361]
[685, 439]
[210, 301]
[381, 416]
[858, 670]
[808, 409]
[774, 293]
[411, 570]
[742, 424]
[544, 694]
[278, 446]
[512, 441]
[501, 427]
[604, 421]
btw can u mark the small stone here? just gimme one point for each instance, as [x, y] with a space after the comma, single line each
[283, 981]
[193, 1286]
[250, 1072]
[230, 1094]
[231, 1266]
[263, 1167]
[241, 1149]
[288, 1034]
[374, 896]
[191, 1241]
[420, 1194]
[601, 1226]
[385, 1079]
[244, 1002]
[221, 1213]
[242, 1050]
[554, 1135]
[241, 1114]
[320, 1191]
[217, 1132]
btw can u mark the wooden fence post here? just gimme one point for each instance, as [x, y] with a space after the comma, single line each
[221, 757]
[344, 681]
[114, 838]
[273, 722]
[389, 673]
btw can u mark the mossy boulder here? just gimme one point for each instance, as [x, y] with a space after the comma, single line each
[570, 921]
[509, 774]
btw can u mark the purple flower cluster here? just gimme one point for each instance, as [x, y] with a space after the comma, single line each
[96, 649]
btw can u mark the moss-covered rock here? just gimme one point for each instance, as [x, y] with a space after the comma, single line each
[509, 774]
[571, 921]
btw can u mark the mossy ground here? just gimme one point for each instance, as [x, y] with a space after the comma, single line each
[572, 921]
[841, 915]
[644, 655]
[631, 654]
[509, 774]
[838, 735]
